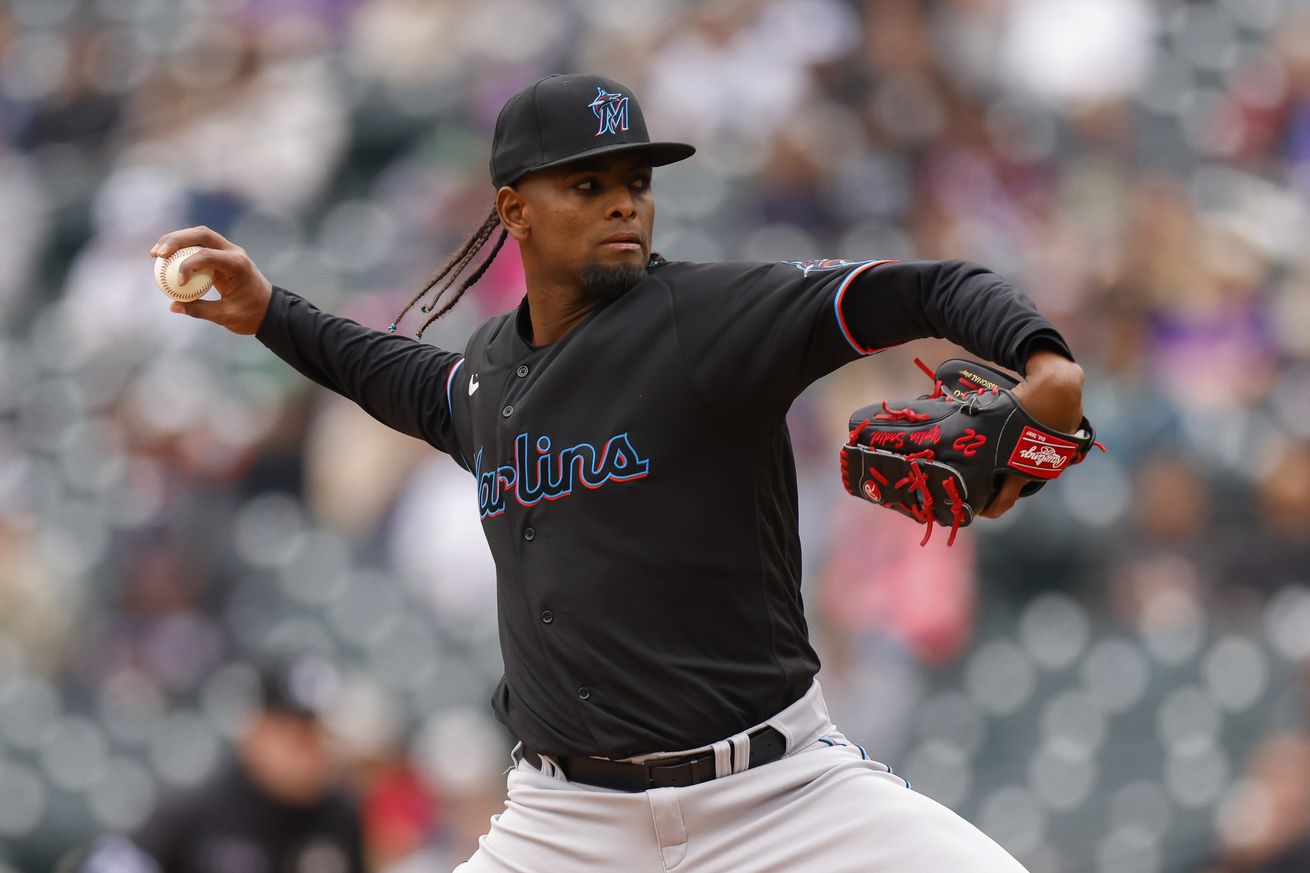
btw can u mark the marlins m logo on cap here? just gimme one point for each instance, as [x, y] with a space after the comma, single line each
[611, 110]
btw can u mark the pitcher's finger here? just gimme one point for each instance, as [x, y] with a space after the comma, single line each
[191, 236]
[1005, 499]
[230, 264]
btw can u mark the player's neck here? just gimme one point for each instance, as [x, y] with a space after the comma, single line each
[556, 310]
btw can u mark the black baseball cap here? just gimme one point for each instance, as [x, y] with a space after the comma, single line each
[564, 118]
[304, 686]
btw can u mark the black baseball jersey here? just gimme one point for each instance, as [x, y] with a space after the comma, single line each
[229, 825]
[635, 479]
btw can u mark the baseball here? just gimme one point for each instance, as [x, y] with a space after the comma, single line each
[166, 276]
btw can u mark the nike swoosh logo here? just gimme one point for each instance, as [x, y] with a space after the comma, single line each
[473, 384]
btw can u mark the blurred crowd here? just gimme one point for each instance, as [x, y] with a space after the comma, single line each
[1110, 678]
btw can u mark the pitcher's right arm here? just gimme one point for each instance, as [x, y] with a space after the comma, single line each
[397, 380]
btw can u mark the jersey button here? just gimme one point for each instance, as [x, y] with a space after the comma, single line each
[547, 617]
[507, 411]
[522, 370]
[584, 692]
[529, 534]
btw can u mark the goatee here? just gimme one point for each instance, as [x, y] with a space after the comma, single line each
[606, 283]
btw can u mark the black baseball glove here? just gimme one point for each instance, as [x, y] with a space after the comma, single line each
[943, 457]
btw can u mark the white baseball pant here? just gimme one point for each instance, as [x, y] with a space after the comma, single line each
[824, 807]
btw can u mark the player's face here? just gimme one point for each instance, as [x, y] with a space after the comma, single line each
[593, 212]
[290, 756]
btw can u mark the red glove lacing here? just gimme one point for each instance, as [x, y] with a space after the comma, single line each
[916, 480]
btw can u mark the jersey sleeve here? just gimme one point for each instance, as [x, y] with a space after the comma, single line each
[401, 382]
[755, 336]
[961, 301]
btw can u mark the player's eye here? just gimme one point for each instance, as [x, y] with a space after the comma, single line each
[641, 183]
[586, 185]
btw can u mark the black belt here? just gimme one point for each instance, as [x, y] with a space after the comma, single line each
[766, 745]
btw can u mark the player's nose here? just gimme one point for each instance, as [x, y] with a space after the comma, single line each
[622, 205]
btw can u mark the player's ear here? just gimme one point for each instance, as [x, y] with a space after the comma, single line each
[512, 209]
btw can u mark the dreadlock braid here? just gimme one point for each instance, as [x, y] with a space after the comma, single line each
[456, 265]
[467, 283]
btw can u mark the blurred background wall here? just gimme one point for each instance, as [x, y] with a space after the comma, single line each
[1108, 679]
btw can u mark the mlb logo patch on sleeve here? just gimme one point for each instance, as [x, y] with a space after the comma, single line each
[1041, 454]
[822, 265]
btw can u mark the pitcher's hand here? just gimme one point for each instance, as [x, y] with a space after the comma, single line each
[244, 290]
[1052, 393]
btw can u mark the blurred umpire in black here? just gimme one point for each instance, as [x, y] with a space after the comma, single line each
[273, 808]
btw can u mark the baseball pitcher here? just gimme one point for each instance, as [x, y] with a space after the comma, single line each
[624, 429]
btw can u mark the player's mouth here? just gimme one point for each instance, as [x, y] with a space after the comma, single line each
[622, 242]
